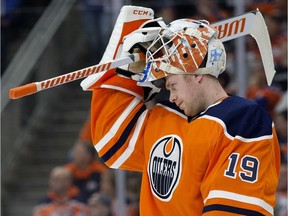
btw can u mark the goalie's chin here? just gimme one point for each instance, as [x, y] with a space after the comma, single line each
[182, 107]
[187, 112]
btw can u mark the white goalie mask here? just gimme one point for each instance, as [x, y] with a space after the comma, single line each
[186, 46]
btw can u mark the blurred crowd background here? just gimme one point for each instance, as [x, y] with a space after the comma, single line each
[80, 184]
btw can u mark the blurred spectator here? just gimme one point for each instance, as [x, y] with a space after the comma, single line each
[8, 15]
[266, 96]
[107, 185]
[96, 17]
[108, 189]
[280, 78]
[278, 38]
[281, 10]
[281, 125]
[63, 197]
[17, 19]
[8, 8]
[86, 169]
[133, 185]
[277, 33]
[276, 21]
[100, 205]
[281, 194]
[165, 8]
[225, 81]
[213, 11]
[85, 133]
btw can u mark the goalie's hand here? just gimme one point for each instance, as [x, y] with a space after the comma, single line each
[138, 41]
[138, 67]
[134, 71]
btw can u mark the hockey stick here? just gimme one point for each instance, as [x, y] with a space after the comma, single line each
[250, 23]
[253, 24]
[34, 87]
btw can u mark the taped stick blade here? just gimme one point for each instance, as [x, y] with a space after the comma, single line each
[251, 23]
[260, 34]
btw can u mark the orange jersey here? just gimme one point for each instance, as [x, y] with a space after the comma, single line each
[85, 132]
[86, 173]
[53, 205]
[224, 162]
[87, 180]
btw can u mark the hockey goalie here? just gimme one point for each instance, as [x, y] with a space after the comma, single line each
[202, 152]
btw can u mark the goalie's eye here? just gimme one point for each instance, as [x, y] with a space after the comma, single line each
[173, 86]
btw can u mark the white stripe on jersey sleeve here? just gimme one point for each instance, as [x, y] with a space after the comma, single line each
[129, 150]
[121, 89]
[254, 139]
[111, 133]
[240, 198]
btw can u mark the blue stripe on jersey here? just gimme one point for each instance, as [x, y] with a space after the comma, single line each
[231, 209]
[124, 136]
[242, 117]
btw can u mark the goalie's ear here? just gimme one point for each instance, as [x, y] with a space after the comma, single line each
[130, 18]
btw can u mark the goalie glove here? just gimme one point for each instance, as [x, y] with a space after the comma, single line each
[139, 40]
[127, 21]
[136, 72]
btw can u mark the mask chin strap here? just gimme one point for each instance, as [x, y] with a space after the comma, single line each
[209, 70]
[169, 69]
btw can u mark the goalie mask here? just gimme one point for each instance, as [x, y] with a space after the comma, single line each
[186, 46]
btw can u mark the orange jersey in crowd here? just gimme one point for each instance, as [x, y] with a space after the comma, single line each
[53, 205]
[88, 179]
[85, 133]
[224, 162]
[86, 173]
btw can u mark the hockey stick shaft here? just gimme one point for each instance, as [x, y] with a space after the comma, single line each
[251, 23]
[35, 87]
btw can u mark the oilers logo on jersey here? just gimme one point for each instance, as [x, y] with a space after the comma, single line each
[164, 167]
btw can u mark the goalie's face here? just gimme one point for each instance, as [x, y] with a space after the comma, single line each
[186, 92]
